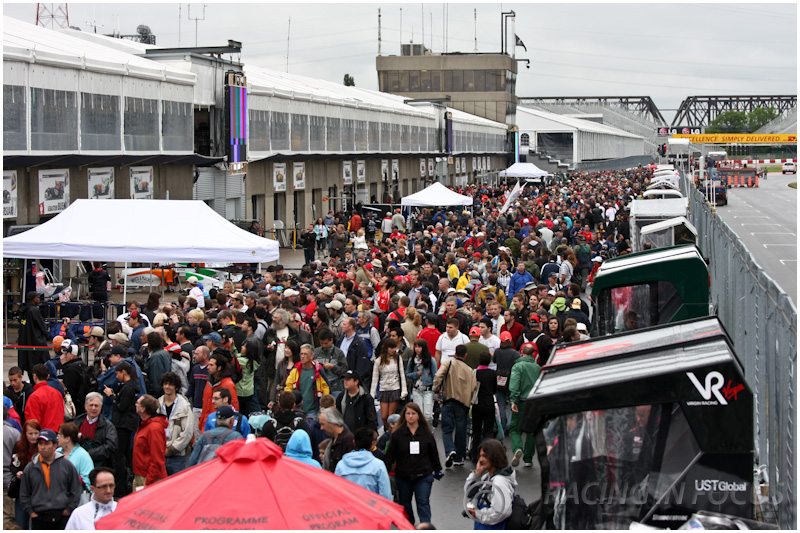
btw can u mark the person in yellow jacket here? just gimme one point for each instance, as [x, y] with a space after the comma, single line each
[492, 287]
[308, 378]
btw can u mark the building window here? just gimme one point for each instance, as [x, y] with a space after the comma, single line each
[448, 80]
[14, 127]
[425, 81]
[100, 122]
[279, 131]
[177, 123]
[413, 81]
[348, 135]
[386, 137]
[396, 137]
[54, 119]
[362, 137]
[403, 85]
[257, 131]
[393, 81]
[405, 138]
[469, 80]
[480, 80]
[334, 135]
[299, 133]
[458, 81]
[374, 137]
[141, 124]
[436, 81]
[317, 135]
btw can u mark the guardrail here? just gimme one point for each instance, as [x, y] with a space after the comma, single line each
[762, 322]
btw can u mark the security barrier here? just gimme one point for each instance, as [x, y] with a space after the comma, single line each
[762, 321]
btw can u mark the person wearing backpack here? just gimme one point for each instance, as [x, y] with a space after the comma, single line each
[492, 473]
[504, 357]
[584, 254]
[206, 447]
[78, 378]
[285, 421]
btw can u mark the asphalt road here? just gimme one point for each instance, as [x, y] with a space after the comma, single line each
[765, 219]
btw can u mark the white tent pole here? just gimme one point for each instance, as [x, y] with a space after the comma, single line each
[125, 286]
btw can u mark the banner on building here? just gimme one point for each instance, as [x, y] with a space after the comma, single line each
[347, 172]
[431, 167]
[395, 170]
[299, 173]
[741, 138]
[464, 165]
[458, 165]
[142, 183]
[678, 130]
[361, 171]
[279, 177]
[475, 166]
[53, 190]
[422, 168]
[9, 194]
[101, 183]
[385, 170]
[483, 164]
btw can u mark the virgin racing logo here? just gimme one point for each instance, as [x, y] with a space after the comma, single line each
[713, 385]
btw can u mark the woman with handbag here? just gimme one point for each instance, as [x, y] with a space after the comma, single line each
[388, 371]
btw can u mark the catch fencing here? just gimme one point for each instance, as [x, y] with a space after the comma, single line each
[762, 322]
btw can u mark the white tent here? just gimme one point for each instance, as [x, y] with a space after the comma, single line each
[436, 195]
[156, 231]
[523, 170]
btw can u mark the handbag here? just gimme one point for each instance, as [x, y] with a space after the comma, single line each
[476, 391]
[69, 406]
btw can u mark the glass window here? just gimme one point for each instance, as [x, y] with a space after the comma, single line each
[469, 80]
[54, 119]
[403, 81]
[413, 81]
[177, 125]
[396, 137]
[386, 137]
[348, 135]
[480, 80]
[141, 124]
[362, 143]
[524, 140]
[393, 81]
[317, 134]
[448, 80]
[436, 81]
[14, 128]
[383, 82]
[458, 81]
[257, 131]
[100, 122]
[425, 81]
[299, 133]
[405, 138]
[279, 131]
[374, 137]
[334, 135]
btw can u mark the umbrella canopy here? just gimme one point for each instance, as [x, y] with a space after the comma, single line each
[252, 485]
[118, 230]
[523, 170]
[434, 196]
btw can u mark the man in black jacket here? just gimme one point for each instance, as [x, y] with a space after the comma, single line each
[97, 434]
[18, 391]
[32, 332]
[356, 404]
[332, 423]
[73, 378]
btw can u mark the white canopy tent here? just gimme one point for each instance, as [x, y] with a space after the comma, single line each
[523, 170]
[436, 195]
[126, 230]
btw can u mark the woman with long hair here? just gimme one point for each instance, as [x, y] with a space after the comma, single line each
[491, 506]
[24, 450]
[553, 329]
[420, 373]
[68, 441]
[415, 456]
[360, 241]
[412, 324]
[291, 356]
[322, 234]
[388, 371]
[151, 307]
[245, 390]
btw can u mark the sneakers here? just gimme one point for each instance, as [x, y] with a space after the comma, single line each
[517, 457]
[528, 464]
[458, 463]
[452, 457]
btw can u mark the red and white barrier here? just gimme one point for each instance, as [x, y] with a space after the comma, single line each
[762, 161]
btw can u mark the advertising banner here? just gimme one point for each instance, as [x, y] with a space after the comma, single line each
[347, 172]
[742, 138]
[142, 183]
[431, 167]
[101, 183]
[464, 165]
[9, 194]
[53, 191]
[299, 174]
[395, 169]
[384, 170]
[458, 165]
[361, 171]
[675, 130]
[279, 177]
[422, 168]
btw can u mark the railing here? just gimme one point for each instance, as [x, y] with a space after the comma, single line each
[762, 322]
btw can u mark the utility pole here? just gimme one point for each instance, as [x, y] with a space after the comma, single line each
[379, 31]
[475, 28]
[50, 17]
[401, 31]
[196, 20]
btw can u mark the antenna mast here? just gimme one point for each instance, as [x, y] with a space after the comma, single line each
[288, 32]
[379, 31]
[57, 15]
[475, 26]
[196, 19]
[179, 25]
[401, 31]
[422, 7]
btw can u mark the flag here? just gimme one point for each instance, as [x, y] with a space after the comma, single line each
[511, 197]
[519, 42]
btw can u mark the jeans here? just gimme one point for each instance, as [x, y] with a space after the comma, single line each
[20, 516]
[454, 417]
[482, 427]
[425, 400]
[504, 407]
[420, 489]
[308, 254]
[529, 449]
[175, 464]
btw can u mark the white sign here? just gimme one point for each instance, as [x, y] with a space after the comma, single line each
[458, 165]
[9, 194]
[347, 172]
[53, 191]
[431, 167]
[299, 174]
[483, 163]
[464, 165]
[361, 171]
[395, 170]
[142, 183]
[384, 170]
[422, 167]
[101, 183]
[279, 177]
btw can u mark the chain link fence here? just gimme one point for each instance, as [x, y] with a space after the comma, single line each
[762, 321]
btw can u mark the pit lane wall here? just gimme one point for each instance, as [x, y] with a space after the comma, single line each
[762, 321]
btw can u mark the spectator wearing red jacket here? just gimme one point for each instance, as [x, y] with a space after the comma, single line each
[45, 404]
[149, 444]
[355, 222]
[219, 376]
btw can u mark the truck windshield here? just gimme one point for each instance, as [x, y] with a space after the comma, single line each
[636, 307]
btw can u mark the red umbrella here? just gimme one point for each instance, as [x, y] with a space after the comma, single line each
[251, 485]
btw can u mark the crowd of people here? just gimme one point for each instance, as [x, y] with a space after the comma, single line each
[403, 324]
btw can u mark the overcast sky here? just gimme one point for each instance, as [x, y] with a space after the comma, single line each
[665, 51]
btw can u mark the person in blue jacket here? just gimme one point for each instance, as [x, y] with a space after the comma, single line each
[362, 468]
[108, 377]
[299, 448]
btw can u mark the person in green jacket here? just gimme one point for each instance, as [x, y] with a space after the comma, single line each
[523, 377]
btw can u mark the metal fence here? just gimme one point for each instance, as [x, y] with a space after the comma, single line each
[762, 321]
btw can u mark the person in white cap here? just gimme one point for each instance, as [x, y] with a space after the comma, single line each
[196, 292]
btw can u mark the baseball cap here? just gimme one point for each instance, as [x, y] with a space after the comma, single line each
[394, 418]
[69, 346]
[424, 290]
[505, 336]
[120, 338]
[597, 259]
[254, 294]
[290, 292]
[134, 314]
[553, 275]
[534, 318]
[173, 347]
[225, 412]
[192, 280]
[582, 327]
[576, 303]
[474, 331]
[351, 374]
[477, 254]
[432, 317]
[530, 286]
[48, 435]
[118, 350]
[327, 291]
[97, 331]
[335, 304]
[237, 296]
[248, 275]
[214, 337]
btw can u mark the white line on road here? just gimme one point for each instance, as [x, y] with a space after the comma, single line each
[770, 233]
[748, 216]
[782, 244]
[784, 261]
[758, 224]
